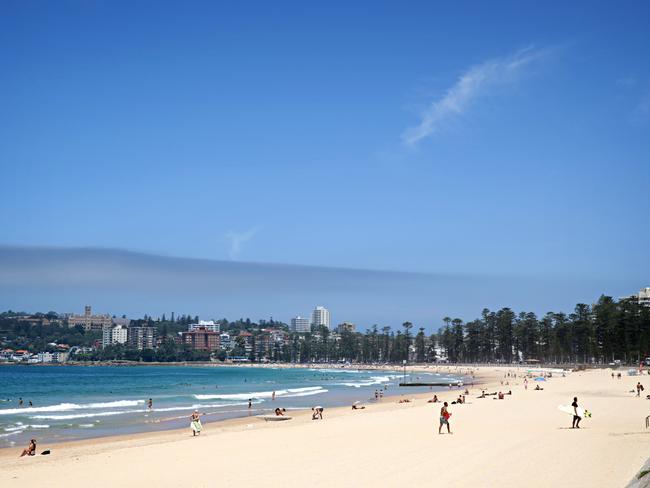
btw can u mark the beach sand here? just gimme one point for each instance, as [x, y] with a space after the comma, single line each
[521, 441]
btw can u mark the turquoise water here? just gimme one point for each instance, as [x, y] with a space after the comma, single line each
[74, 402]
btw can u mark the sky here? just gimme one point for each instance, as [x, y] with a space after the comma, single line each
[489, 142]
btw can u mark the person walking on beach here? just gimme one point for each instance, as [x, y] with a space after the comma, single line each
[195, 423]
[576, 418]
[444, 418]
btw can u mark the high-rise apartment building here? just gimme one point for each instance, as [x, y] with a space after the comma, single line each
[201, 339]
[114, 335]
[141, 337]
[300, 324]
[320, 317]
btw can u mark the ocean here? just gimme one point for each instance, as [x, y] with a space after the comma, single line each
[77, 402]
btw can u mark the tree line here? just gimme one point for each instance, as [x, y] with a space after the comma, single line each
[606, 331]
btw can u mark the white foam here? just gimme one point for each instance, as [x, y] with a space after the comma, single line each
[83, 415]
[12, 433]
[23, 427]
[257, 395]
[374, 380]
[65, 407]
[306, 393]
[330, 370]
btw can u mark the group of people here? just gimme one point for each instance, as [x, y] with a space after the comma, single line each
[21, 403]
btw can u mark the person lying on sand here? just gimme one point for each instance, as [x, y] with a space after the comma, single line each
[31, 449]
[404, 400]
[357, 406]
[433, 400]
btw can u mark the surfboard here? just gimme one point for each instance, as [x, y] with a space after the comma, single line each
[568, 409]
[274, 418]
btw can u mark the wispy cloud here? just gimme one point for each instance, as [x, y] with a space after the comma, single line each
[238, 239]
[475, 82]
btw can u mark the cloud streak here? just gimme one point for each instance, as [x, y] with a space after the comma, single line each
[238, 239]
[474, 83]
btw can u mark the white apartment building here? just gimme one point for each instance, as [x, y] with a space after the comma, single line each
[225, 344]
[208, 325]
[320, 317]
[114, 335]
[643, 297]
[300, 324]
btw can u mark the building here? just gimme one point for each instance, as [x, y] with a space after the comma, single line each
[201, 339]
[300, 324]
[45, 357]
[225, 344]
[141, 337]
[205, 324]
[89, 321]
[114, 335]
[643, 297]
[320, 317]
[347, 326]
[247, 341]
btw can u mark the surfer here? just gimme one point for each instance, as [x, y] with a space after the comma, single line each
[444, 418]
[31, 449]
[195, 423]
[576, 418]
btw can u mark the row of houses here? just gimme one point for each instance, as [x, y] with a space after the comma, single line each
[23, 356]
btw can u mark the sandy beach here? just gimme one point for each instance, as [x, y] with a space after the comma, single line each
[523, 440]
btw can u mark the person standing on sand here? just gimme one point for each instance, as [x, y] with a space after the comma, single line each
[195, 423]
[444, 418]
[639, 388]
[576, 418]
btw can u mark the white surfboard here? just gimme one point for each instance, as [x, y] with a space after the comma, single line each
[275, 418]
[568, 409]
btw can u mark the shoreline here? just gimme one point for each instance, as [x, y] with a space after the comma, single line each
[523, 440]
[235, 422]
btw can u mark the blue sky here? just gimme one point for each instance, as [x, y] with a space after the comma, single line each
[476, 139]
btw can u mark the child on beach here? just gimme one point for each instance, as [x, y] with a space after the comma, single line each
[444, 418]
